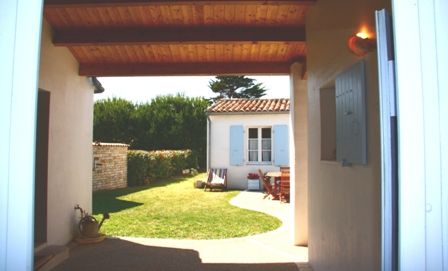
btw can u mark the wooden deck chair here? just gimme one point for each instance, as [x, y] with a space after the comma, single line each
[268, 190]
[217, 179]
[284, 184]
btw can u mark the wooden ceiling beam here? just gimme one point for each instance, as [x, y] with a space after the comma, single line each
[135, 36]
[166, 69]
[50, 4]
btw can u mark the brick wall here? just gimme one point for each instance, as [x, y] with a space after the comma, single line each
[110, 166]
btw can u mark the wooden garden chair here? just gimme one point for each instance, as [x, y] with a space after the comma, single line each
[284, 184]
[216, 179]
[268, 189]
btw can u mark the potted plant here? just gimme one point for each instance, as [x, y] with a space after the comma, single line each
[253, 181]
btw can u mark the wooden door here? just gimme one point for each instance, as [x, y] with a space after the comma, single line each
[41, 181]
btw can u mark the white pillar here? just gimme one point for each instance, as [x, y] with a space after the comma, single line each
[298, 139]
[20, 24]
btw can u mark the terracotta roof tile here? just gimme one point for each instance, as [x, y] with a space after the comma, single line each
[249, 105]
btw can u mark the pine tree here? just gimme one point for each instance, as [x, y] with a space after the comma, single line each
[236, 87]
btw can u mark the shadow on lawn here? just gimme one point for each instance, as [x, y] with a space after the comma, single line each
[108, 201]
[110, 204]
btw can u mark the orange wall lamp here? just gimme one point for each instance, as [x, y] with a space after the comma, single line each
[360, 44]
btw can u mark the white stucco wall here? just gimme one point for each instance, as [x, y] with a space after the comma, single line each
[70, 138]
[344, 202]
[220, 141]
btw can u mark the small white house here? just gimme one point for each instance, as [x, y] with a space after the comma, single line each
[244, 135]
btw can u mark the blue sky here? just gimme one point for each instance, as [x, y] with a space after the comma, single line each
[143, 89]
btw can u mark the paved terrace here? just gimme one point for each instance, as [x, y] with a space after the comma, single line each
[262, 252]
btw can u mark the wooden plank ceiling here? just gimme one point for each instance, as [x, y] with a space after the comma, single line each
[138, 37]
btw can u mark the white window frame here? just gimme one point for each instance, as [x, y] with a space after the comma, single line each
[260, 151]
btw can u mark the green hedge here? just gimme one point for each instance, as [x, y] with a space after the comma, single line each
[144, 166]
[173, 122]
[138, 165]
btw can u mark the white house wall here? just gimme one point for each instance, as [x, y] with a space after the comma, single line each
[344, 202]
[220, 141]
[70, 138]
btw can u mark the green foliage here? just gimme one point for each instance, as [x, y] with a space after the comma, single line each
[112, 121]
[236, 87]
[138, 167]
[167, 122]
[173, 208]
[181, 160]
[144, 166]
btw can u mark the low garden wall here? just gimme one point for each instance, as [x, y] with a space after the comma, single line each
[110, 167]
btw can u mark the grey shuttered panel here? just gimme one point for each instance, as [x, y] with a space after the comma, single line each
[351, 137]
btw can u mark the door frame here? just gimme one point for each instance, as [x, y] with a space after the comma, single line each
[20, 22]
[388, 128]
[421, 54]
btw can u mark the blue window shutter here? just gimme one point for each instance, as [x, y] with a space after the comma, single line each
[236, 145]
[281, 145]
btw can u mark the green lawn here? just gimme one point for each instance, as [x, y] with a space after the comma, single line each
[174, 209]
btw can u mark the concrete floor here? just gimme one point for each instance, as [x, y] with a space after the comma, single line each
[268, 251]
